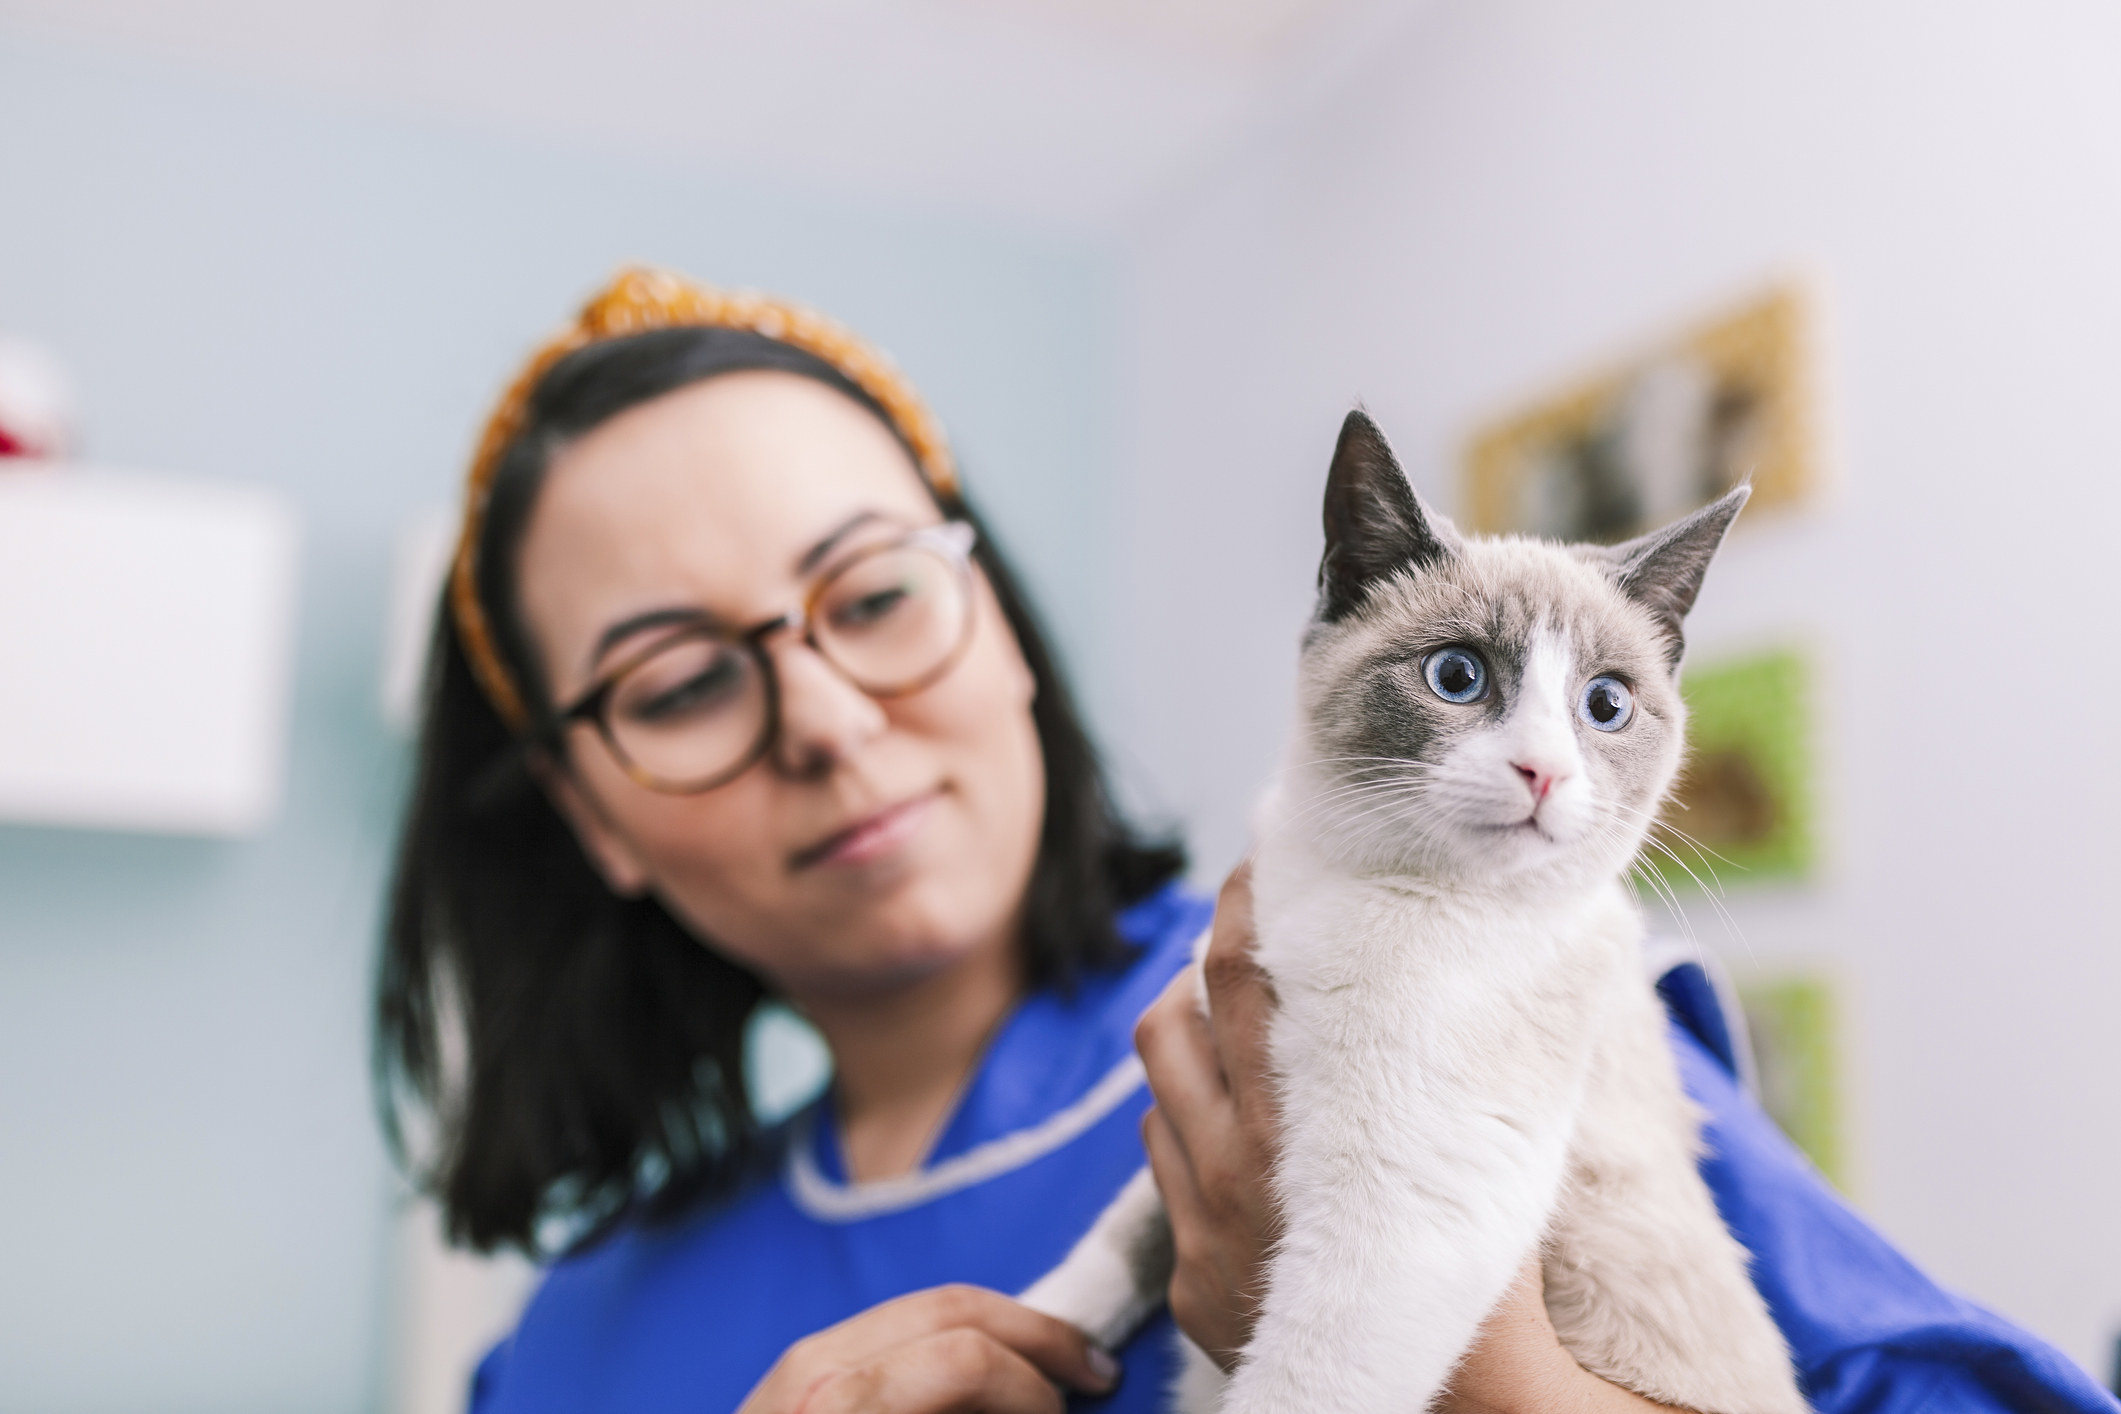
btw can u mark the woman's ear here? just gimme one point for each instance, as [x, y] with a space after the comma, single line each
[609, 852]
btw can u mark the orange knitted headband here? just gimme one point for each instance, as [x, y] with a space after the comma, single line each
[638, 300]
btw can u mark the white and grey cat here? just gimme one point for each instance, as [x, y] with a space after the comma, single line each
[1472, 1063]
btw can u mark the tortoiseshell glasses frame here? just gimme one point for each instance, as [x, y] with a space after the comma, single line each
[701, 704]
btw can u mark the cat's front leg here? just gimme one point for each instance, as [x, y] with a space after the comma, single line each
[1412, 1194]
[1116, 1276]
[1361, 1318]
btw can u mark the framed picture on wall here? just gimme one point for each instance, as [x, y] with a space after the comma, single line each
[1741, 812]
[1655, 435]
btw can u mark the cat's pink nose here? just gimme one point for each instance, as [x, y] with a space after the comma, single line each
[1537, 780]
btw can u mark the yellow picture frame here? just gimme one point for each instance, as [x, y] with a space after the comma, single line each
[1660, 433]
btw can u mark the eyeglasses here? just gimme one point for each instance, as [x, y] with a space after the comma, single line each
[697, 707]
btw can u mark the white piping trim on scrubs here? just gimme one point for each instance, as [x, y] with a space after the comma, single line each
[828, 1201]
[832, 1202]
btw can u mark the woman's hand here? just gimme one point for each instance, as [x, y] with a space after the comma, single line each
[1211, 1136]
[1519, 1364]
[948, 1350]
[1212, 1140]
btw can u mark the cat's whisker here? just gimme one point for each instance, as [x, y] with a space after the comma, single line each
[1384, 771]
[1696, 845]
[1644, 871]
[1611, 827]
[1657, 822]
[1669, 897]
[1370, 775]
[1653, 823]
[1353, 795]
[1354, 800]
[1647, 878]
[1369, 779]
[1390, 804]
[1715, 899]
[1376, 822]
[1447, 810]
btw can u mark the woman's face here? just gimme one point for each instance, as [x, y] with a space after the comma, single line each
[880, 839]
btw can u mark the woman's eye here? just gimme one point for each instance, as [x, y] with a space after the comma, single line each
[1607, 704]
[1456, 674]
[703, 691]
[870, 607]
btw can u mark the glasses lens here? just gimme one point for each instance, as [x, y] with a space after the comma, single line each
[689, 712]
[892, 619]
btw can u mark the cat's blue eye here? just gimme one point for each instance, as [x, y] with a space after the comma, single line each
[1607, 704]
[1456, 674]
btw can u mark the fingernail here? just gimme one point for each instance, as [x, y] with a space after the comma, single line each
[1103, 1366]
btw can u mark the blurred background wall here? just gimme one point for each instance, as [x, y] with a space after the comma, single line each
[1142, 259]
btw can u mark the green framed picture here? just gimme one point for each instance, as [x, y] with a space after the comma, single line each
[1742, 812]
[1794, 1022]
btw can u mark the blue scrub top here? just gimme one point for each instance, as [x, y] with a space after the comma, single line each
[690, 1314]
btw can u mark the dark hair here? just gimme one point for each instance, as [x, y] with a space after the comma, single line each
[579, 1054]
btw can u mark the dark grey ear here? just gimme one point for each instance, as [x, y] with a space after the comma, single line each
[1662, 571]
[1375, 524]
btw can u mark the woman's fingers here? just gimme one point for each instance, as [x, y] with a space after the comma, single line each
[958, 1371]
[1210, 1072]
[1052, 1348]
[1211, 1136]
[1220, 1241]
[1179, 1055]
[1174, 1175]
[1240, 999]
[1210, 1282]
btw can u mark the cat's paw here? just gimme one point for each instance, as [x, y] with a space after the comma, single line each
[1071, 1294]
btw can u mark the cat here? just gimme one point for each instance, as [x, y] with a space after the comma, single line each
[1472, 1063]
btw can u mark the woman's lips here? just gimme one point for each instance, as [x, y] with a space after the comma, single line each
[871, 837]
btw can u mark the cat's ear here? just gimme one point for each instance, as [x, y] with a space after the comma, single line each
[1375, 524]
[1662, 571]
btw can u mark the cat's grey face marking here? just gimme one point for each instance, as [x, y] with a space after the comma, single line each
[1489, 709]
[1520, 776]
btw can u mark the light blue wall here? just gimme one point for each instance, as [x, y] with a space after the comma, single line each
[251, 286]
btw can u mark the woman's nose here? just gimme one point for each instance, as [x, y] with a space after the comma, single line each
[824, 717]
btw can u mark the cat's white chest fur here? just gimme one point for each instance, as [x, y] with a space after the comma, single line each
[1467, 1084]
[1431, 1084]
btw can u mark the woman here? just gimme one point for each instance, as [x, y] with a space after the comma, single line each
[736, 700]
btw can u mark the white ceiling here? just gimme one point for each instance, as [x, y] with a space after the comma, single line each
[1066, 113]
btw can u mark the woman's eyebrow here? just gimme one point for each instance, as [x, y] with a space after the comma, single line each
[815, 555]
